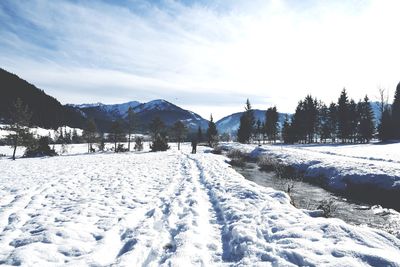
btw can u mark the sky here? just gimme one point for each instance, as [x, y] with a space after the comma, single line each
[207, 56]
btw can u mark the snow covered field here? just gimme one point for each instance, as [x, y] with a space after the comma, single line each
[170, 208]
[369, 164]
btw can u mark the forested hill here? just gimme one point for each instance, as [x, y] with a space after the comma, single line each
[47, 112]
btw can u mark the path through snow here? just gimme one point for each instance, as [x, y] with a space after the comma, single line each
[169, 208]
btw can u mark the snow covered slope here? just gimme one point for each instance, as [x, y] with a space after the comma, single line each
[230, 124]
[341, 165]
[170, 208]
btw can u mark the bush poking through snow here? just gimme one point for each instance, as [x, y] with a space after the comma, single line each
[217, 150]
[138, 143]
[159, 144]
[40, 148]
[237, 158]
[121, 148]
[267, 163]
[328, 206]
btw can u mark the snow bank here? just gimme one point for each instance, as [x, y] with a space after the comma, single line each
[170, 208]
[340, 165]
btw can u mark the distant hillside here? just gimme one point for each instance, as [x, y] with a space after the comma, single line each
[146, 112]
[230, 124]
[47, 111]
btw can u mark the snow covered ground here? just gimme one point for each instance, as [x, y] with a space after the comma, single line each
[41, 131]
[369, 164]
[169, 208]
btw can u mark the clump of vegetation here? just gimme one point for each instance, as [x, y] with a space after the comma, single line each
[238, 158]
[268, 163]
[121, 148]
[159, 144]
[217, 150]
[328, 207]
[138, 143]
[39, 148]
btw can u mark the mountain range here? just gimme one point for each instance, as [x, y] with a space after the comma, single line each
[48, 112]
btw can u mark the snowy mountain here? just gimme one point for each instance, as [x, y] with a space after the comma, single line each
[146, 112]
[230, 124]
[169, 114]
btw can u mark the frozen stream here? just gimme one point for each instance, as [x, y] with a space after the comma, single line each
[308, 196]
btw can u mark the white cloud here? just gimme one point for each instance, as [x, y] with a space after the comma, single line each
[274, 52]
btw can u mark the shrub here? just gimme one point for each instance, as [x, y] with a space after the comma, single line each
[217, 150]
[40, 148]
[328, 207]
[159, 144]
[138, 143]
[121, 148]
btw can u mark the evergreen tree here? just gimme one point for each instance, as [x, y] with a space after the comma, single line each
[19, 132]
[311, 117]
[138, 143]
[385, 129]
[179, 130]
[332, 121]
[247, 121]
[212, 133]
[117, 135]
[75, 137]
[298, 124]
[159, 139]
[353, 118]
[396, 113]
[343, 117]
[287, 132]
[156, 127]
[90, 134]
[132, 121]
[271, 123]
[324, 123]
[367, 125]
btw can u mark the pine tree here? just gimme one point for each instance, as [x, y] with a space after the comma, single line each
[179, 130]
[343, 117]
[354, 119]
[332, 121]
[324, 123]
[156, 127]
[287, 132]
[367, 125]
[19, 132]
[75, 137]
[247, 122]
[159, 139]
[132, 122]
[271, 123]
[212, 133]
[311, 117]
[90, 134]
[117, 135]
[396, 113]
[298, 125]
[385, 129]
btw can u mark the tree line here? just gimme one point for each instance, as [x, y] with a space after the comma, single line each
[121, 131]
[345, 121]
